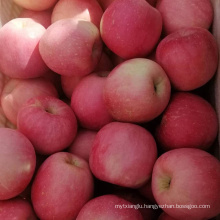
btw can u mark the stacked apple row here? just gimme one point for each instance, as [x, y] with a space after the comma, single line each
[101, 110]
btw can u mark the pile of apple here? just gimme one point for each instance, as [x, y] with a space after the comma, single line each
[103, 111]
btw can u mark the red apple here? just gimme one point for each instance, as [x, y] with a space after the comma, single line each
[180, 14]
[62, 186]
[41, 17]
[82, 143]
[88, 104]
[194, 46]
[123, 148]
[188, 121]
[49, 123]
[15, 94]
[108, 207]
[19, 54]
[16, 208]
[137, 90]
[186, 182]
[80, 58]
[88, 10]
[17, 163]
[38, 5]
[131, 28]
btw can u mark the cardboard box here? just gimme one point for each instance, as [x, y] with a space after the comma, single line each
[9, 10]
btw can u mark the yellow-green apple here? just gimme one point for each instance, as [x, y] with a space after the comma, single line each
[181, 48]
[189, 121]
[123, 148]
[42, 17]
[71, 47]
[165, 216]
[62, 186]
[131, 28]
[16, 208]
[109, 207]
[82, 143]
[19, 54]
[17, 163]
[48, 122]
[88, 10]
[180, 14]
[16, 92]
[88, 104]
[186, 182]
[137, 90]
[38, 5]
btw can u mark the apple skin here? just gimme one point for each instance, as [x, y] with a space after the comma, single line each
[39, 5]
[88, 104]
[137, 90]
[41, 17]
[69, 83]
[62, 186]
[19, 54]
[17, 163]
[189, 121]
[16, 208]
[123, 36]
[45, 120]
[88, 10]
[80, 59]
[187, 176]
[173, 55]
[184, 14]
[165, 216]
[82, 143]
[105, 3]
[123, 148]
[103, 207]
[15, 94]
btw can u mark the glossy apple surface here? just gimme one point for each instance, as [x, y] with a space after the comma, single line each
[81, 58]
[123, 148]
[188, 177]
[173, 55]
[180, 14]
[62, 186]
[131, 28]
[137, 90]
[104, 207]
[189, 121]
[49, 123]
[17, 163]
[88, 104]
[15, 95]
[19, 54]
